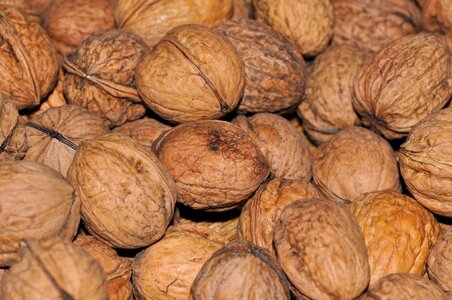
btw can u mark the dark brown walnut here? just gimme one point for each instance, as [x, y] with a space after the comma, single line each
[261, 212]
[327, 104]
[240, 270]
[297, 123]
[280, 142]
[35, 201]
[53, 136]
[308, 23]
[439, 262]
[127, 196]
[353, 162]
[29, 65]
[191, 74]
[424, 161]
[399, 232]
[322, 250]
[167, 269]
[51, 269]
[215, 164]
[13, 142]
[101, 76]
[403, 83]
[437, 15]
[243, 9]
[273, 65]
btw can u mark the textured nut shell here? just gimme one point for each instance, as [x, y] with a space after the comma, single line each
[167, 269]
[191, 74]
[35, 201]
[322, 250]
[13, 143]
[403, 83]
[296, 122]
[308, 23]
[261, 212]
[242, 9]
[215, 164]
[39, 6]
[439, 262]
[425, 162]
[437, 15]
[398, 231]
[127, 196]
[327, 103]
[240, 270]
[2, 273]
[53, 269]
[274, 67]
[353, 162]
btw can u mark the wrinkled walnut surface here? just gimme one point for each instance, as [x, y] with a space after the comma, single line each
[13, 142]
[439, 262]
[437, 15]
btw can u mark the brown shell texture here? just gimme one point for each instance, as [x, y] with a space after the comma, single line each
[322, 250]
[167, 269]
[127, 196]
[425, 162]
[35, 201]
[327, 104]
[29, 65]
[307, 23]
[273, 65]
[13, 142]
[399, 232]
[241, 270]
[215, 164]
[243, 9]
[261, 212]
[191, 74]
[353, 162]
[439, 262]
[403, 83]
[437, 15]
[138, 16]
[101, 76]
[53, 269]
[297, 123]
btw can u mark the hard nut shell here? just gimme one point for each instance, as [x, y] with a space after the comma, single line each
[439, 262]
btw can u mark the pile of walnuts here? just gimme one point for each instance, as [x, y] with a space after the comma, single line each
[225, 149]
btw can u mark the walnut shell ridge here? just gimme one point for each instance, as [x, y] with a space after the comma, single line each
[439, 262]
[437, 16]
[13, 141]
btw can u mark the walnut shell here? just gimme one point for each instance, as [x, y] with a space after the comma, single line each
[403, 83]
[425, 162]
[127, 196]
[439, 262]
[13, 141]
[215, 164]
[191, 74]
[53, 269]
[273, 65]
[437, 15]
[261, 212]
[322, 250]
[243, 9]
[167, 269]
[2, 273]
[308, 23]
[29, 65]
[240, 270]
[398, 231]
[101, 76]
[297, 123]
[35, 201]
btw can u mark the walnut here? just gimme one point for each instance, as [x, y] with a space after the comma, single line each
[308, 23]
[215, 164]
[13, 142]
[327, 108]
[101, 76]
[437, 15]
[2, 273]
[167, 269]
[191, 74]
[240, 270]
[274, 66]
[296, 122]
[398, 231]
[243, 9]
[127, 196]
[425, 159]
[35, 201]
[322, 250]
[39, 7]
[53, 269]
[403, 83]
[439, 262]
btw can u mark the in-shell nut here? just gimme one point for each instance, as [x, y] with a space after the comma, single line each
[13, 141]
[439, 262]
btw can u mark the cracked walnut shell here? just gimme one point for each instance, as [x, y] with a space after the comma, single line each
[13, 141]
[439, 262]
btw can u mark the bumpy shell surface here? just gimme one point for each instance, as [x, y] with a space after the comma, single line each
[297, 123]
[2, 273]
[52, 269]
[243, 9]
[35, 201]
[13, 142]
[29, 64]
[127, 196]
[322, 250]
[425, 162]
[437, 15]
[403, 83]
[215, 164]
[399, 232]
[308, 23]
[327, 103]
[439, 262]
[240, 270]
[273, 65]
